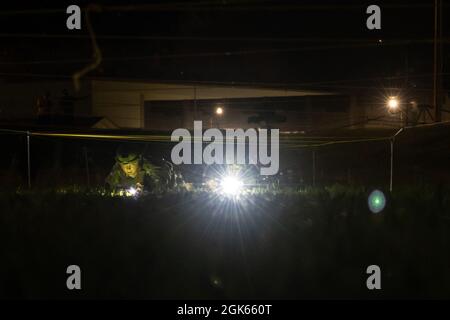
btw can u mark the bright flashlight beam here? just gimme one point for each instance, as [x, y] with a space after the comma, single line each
[132, 191]
[231, 185]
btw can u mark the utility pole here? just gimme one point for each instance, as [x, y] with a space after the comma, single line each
[437, 61]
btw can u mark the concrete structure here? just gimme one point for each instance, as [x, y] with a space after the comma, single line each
[166, 106]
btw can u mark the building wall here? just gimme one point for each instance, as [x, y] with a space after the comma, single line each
[119, 102]
[124, 102]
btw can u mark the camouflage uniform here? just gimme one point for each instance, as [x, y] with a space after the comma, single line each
[151, 177]
[147, 176]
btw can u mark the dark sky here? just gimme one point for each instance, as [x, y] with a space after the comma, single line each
[314, 43]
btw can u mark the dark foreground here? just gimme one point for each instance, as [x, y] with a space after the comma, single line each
[288, 245]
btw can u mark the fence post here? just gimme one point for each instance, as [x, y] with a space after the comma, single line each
[28, 160]
[392, 140]
[392, 164]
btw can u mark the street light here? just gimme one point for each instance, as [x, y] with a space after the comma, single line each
[393, 103]
[219, 111]
[395, 107]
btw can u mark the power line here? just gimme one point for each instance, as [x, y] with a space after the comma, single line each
[214, 6]
[268, 85]
[216, 54]
[219, 39]
[257, 7]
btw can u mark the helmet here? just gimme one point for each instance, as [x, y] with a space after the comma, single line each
[127, 153]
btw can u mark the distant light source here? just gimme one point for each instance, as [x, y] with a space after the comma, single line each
[393, 103]
[219, 111]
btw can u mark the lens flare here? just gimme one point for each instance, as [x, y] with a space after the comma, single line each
[231, 185]
[393, 103]
[377, 201]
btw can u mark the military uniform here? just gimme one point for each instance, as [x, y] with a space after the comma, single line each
[147, 176]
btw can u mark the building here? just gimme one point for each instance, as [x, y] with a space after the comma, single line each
[167, 106]
[164, 106]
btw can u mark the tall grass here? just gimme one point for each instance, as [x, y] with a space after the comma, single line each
[291, 243]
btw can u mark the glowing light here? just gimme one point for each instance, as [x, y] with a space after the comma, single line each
[219, 111]
[231, 185]
[377, 201]
[216, 281]
[393, 103]
[132, 192]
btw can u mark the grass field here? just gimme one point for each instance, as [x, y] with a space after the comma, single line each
[314, 243]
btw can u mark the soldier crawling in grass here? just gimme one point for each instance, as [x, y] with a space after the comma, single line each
[133, 171]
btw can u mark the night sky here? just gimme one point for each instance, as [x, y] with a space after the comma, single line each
[314, 44]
